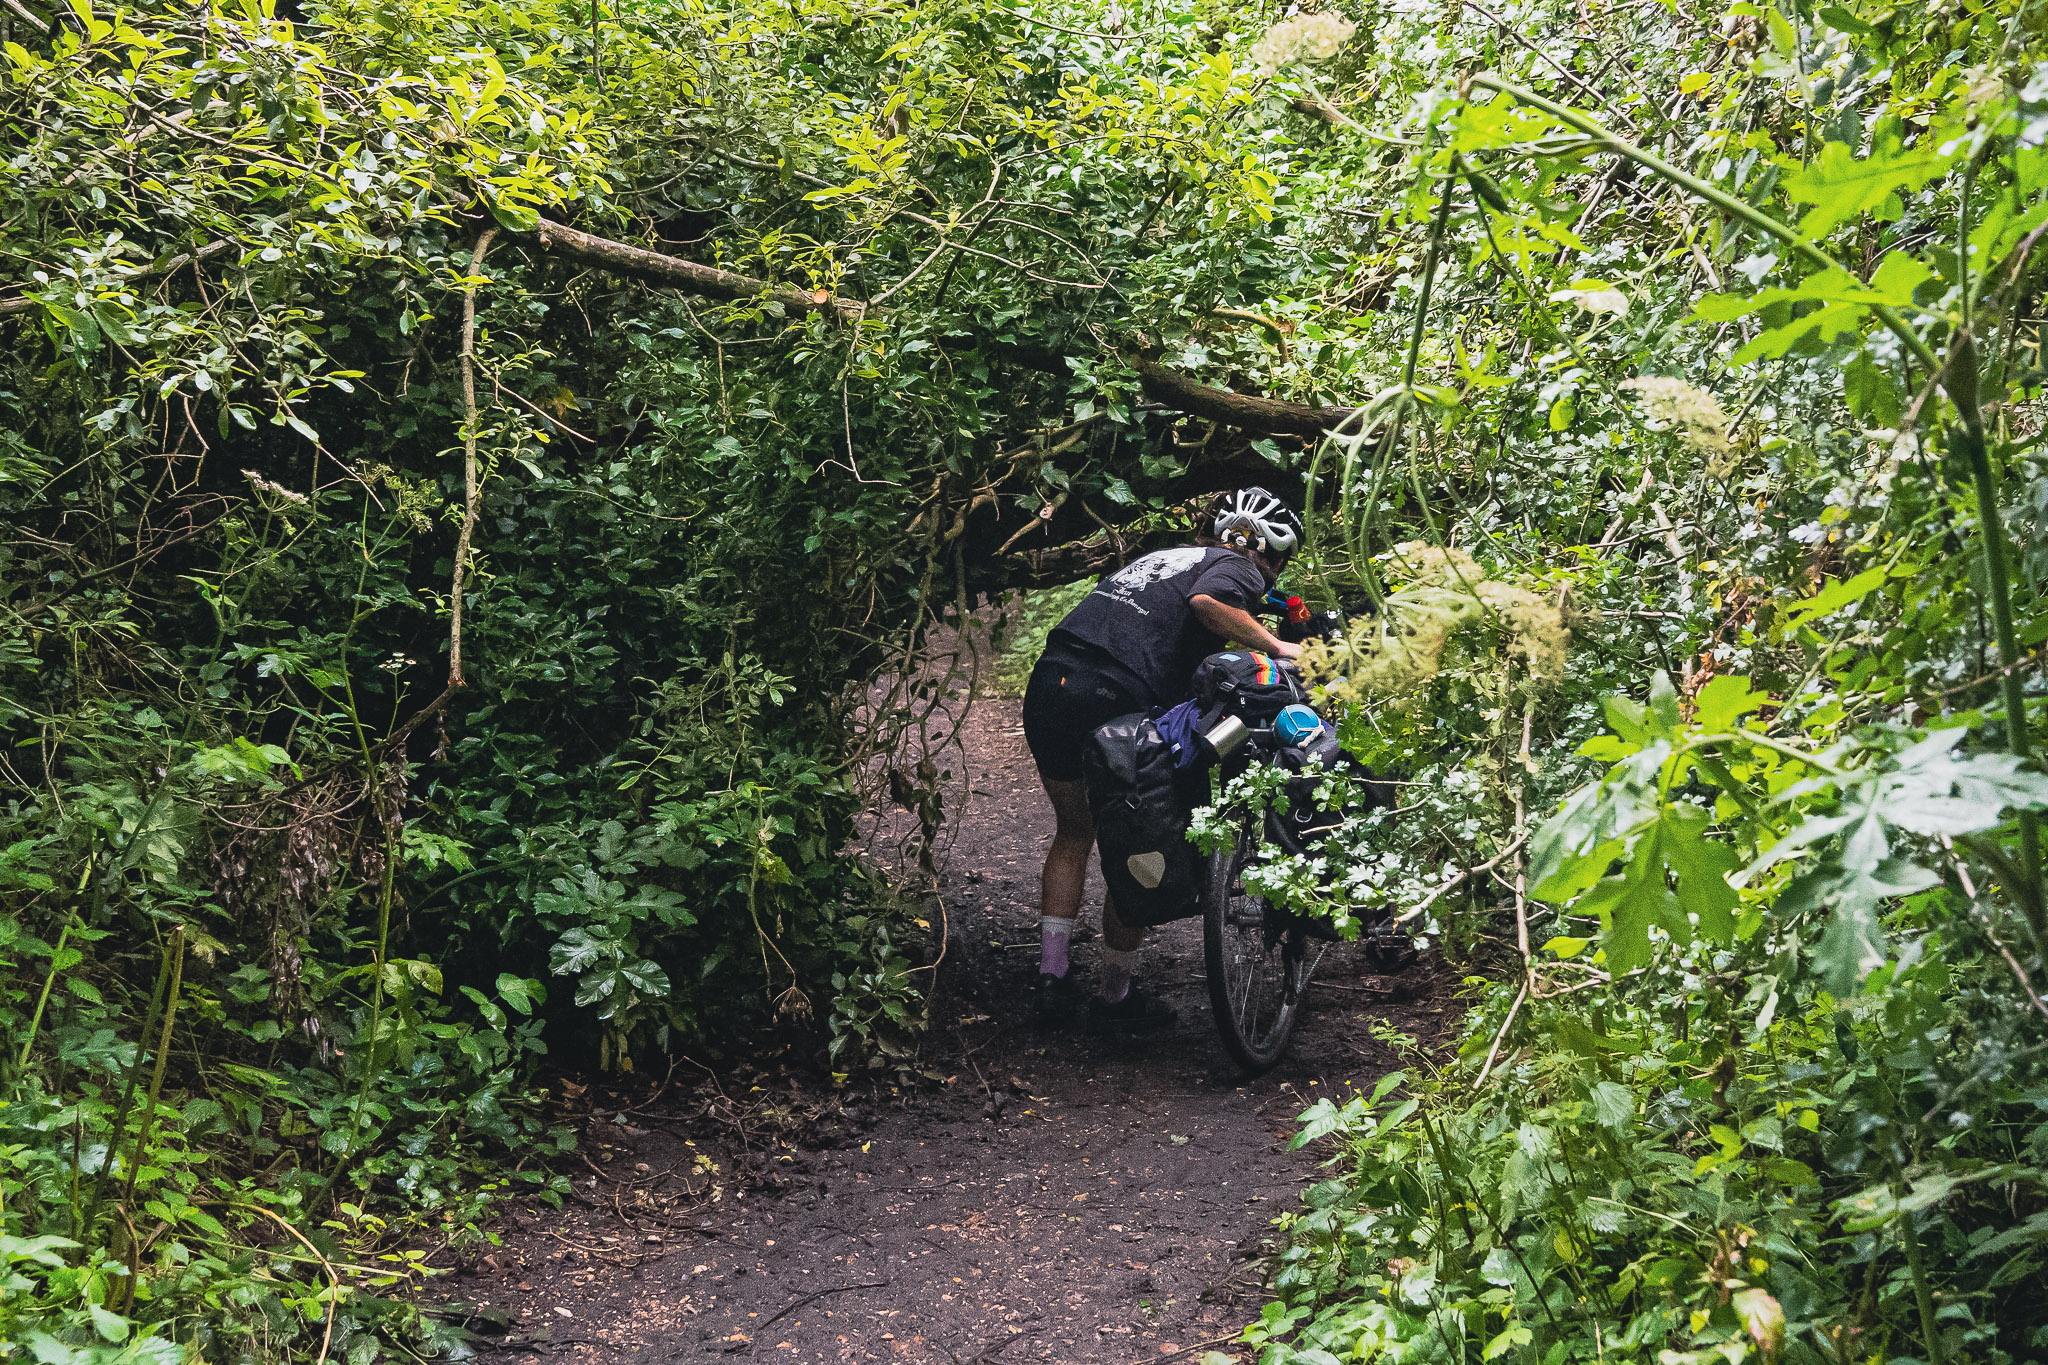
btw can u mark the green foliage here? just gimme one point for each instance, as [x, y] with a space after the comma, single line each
[1030, 616]
[1762, 1077]
[292, 373]
[1731, 374]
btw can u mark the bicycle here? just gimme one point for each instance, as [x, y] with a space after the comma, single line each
[1260, 957]
[1257, 959]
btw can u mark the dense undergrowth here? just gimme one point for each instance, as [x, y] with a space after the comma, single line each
[1725, 398]
[429, 654]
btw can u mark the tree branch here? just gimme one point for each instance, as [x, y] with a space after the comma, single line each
[21, 303]
[1171, 388]
[654, 267]
[471, 502]
[1267, 415]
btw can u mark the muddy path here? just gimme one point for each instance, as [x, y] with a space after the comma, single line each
[1061, 1197]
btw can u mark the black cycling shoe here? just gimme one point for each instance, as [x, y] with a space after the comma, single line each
[1057, 1000]
[1138, 1012]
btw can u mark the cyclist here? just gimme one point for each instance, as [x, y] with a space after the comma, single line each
[1130, 645]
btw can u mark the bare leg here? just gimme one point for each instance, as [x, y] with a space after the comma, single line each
[1066, 866]
[1066, 862]
[1066, 873]
[1115, 934]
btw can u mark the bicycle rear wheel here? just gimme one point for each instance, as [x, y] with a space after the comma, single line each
[1257, 959]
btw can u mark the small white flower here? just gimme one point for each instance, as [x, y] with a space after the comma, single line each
[1597, 297]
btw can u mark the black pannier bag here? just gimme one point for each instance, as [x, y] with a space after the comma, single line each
[1246, 684]
[1299, 824]
[1142, 807]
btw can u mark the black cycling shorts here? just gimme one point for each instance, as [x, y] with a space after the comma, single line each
[1071, 692]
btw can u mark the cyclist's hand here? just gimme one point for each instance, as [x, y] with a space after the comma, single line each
[1282, 649]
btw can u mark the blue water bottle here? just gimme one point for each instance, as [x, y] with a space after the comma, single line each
[1297, 724]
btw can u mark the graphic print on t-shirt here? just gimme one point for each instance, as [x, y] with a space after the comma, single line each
[1126, 583]
[1140, 621]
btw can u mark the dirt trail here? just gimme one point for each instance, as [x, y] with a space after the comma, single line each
[1062, 1198]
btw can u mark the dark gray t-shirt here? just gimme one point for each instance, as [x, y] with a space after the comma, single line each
[1140, 617]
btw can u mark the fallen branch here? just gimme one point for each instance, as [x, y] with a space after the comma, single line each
[1242, 411]
[656, 267]
[1510, 851]
[1168, 387]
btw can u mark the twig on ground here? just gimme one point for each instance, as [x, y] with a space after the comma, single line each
[968, 1053]
[1190, 1350]
[333, 1278]
[835, 1289]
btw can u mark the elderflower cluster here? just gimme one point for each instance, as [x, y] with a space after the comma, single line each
[1696, 414]
[1984, 86]
[1305, 37]
[1396, 654]
[275, 489]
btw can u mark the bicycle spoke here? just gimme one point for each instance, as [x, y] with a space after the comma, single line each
[1259, 963]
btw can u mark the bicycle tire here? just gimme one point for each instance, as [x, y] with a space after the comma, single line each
[1258, 964]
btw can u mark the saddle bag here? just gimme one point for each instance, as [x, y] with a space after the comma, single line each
[1142, 807]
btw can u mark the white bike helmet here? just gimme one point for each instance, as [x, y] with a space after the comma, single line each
[1253, 519]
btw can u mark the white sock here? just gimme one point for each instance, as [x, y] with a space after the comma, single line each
[1115, 977]
[1053, 937]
